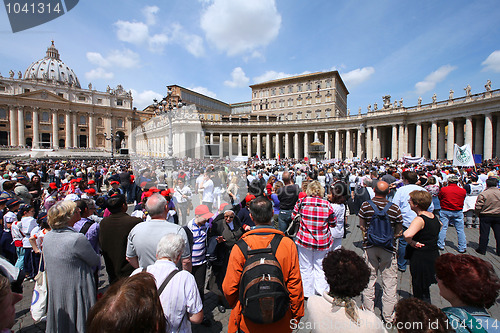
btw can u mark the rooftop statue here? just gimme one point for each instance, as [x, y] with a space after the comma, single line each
[467, 90]
[487, 86]
[451, 94]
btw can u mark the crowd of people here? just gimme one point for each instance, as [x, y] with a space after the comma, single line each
[145, 220]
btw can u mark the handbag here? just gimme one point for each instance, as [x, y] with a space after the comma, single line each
[40, 294]
[293, 227]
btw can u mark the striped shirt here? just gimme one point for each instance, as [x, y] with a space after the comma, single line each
[199, 243]
[318, 216]
[366, 213]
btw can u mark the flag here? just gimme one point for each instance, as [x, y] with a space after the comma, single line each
[462, 156]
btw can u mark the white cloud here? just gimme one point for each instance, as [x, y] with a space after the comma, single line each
[137, 33]
[132, 32]
[150, 13]
[204, 91]
[145, 98]
[116, 58]
[492, 63]
[433, 78]
[99, 73]
[240, 26]
[193, 43]
[357, 76]
[273, 75]
[239, 79]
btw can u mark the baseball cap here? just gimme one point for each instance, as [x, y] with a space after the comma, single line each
[53, 186]
[22, 178]
[91, 182]
[90, 191]
[203, 211]
[12, 203]
[249, 197]
[452, 178]
[114, 182]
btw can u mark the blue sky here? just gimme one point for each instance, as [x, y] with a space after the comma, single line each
[405, 49]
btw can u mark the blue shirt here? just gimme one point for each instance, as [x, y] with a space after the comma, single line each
[199, 243]
[401, 199]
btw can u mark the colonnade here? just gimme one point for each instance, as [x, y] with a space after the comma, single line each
[433, 139]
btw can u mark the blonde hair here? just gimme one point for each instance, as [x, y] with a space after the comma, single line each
[59, 214]
[315, 189]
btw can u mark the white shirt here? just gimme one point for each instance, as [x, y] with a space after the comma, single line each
[208, 191]
[181, 295]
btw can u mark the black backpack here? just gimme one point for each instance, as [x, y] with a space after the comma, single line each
[380, 232]
[264, 297]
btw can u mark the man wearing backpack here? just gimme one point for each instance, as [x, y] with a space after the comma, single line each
[381, 223]
[263, 251]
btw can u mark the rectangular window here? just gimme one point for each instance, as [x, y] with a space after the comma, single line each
[318, 99]
[99, 101]
[119, 102]
[26, 90]
[308, 101]
[290, 89]
[328, 98]
[60, 95]
[290, 102]
[299, 87]
[282, 90]
[81, 98]
[2, 88]
[299, 102]
[273, 92]
[328, 84]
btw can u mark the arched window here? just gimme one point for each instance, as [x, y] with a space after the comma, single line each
[119, 123]
[29, 117]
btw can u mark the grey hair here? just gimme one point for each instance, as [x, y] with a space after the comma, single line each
[170, 246]
[156, 205]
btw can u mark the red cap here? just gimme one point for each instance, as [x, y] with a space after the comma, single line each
[132, 178]
[79, 180]
[164, 193]
[302, 195]
[203, 211]
[114, 182]
[222, 206]
[154, 190]
[91, 182]
[72, 181]
[90, 191]
[249, 198]
[53, 186]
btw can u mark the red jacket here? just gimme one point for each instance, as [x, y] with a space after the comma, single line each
[288, 258]
[452, 197]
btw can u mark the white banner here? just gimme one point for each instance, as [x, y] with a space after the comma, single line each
[410, 159]
[462, 156]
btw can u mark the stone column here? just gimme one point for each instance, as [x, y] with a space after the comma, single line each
[13, 127]
[221, 145]
[306, 144]
[434, 138]
[287, 145]
[75, 130]
[92, 132]
[337, 145]
[68, 142]
[108, 130]
[277, 146]
[296, 145]
[401, 141]
[131, 136]
[249, 145]
[441, 141]
[55, 130]
[348, 144]
[200, 147]
[478, 140]
[368, 144]
[405, 137]
[230, 145]
[418, 140]
[488, 137]
[359, 153]
[327, 145]
[211, 138]
[240, 145]
[376, 143]
[36, 129]
[394, 145]
[259, 145]
[468, 131]
[20, 126]
[268, 145]
[451, 140]
[425, 140]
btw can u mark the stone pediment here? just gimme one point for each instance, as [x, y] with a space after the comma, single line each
[44, 95]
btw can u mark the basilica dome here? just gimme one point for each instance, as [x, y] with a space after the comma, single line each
[52, 70]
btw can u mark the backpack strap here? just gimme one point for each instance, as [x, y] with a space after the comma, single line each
[167, 280]
[272, 247]
[375, 208]
[86, 227]
[386, 208]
